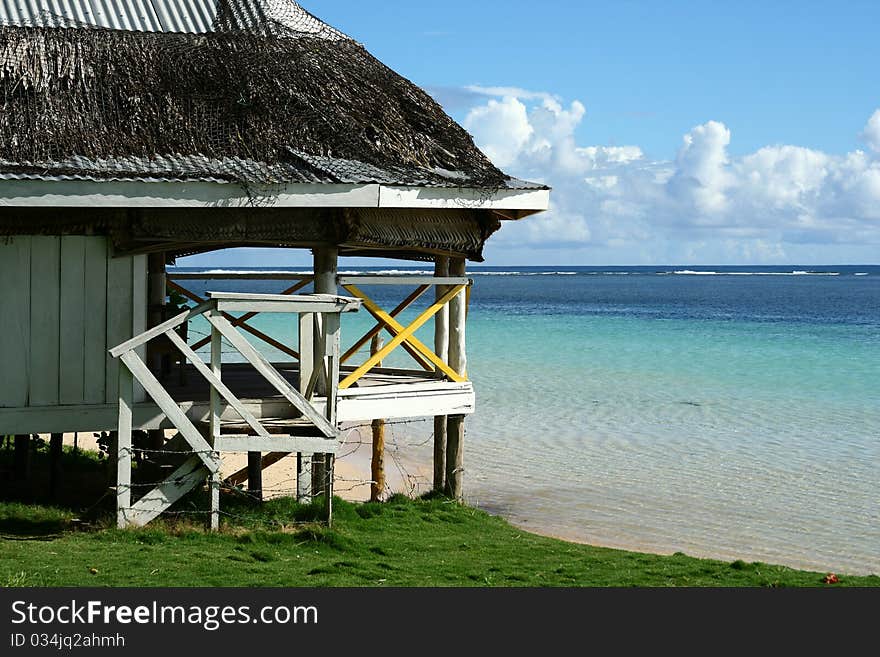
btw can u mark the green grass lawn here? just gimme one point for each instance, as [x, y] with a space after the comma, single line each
[400, 543]
[404, 542]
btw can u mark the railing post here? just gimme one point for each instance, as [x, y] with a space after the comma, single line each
[441, 348]
[326, 265]
[123, 445]
[215, 424]
[306, 367]
[332, 323]
[158, 290]
[458, 362]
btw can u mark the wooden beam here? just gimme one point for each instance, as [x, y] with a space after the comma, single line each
[241, 476]
[306, 444]
[216, 424]
[306, 370]
[377, 462]
[216, 383]
[441, 348]
[123, 446]
[404, 280]
[455, 457]
[56, 450]
[255, 475]
[268, 276]
[156, 331]
[326, 270]
[402, 335]
[189, 475]
[22, 457]
[271, 375]
[171, 409]
[458, 360]
[376, 330]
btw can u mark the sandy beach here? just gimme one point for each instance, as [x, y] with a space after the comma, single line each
[405, 472]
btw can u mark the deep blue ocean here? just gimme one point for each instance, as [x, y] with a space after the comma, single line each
[730, 412]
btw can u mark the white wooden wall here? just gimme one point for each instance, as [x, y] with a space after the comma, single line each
[63, 302]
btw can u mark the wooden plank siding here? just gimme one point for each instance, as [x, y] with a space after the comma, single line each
[45, 320]
[95, 322]
[72, 366]
[63, 302]
[15, 321]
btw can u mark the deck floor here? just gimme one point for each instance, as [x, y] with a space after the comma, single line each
[187, 385]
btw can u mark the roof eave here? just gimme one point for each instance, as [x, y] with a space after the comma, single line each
[516, 203]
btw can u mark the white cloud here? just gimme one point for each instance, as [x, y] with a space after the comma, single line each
[871, 134]
[704, 205]
[504, 127]
[515, 92]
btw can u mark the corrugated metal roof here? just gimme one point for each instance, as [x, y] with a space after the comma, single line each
[194, 16]
[188, 16]
[115, 14]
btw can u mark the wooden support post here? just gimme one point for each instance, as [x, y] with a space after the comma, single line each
[123, 446]
[156, 295]
[22, 457]
[306, 367]
[441, 348]
[215, 426]
[326, 264]
[377, 463]
[56, 450]
[458, 362]
[332, 326]
[255, 475]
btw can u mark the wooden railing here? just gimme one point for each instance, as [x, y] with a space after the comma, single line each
[449, 288]
[204, 462]
[242, 322]
[402, 337]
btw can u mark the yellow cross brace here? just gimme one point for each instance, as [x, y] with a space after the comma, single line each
[403, 334]
[376, 330]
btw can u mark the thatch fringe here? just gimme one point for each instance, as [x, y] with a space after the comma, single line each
[104, 94]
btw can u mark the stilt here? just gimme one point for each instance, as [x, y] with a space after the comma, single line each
[441, 348]
[458, 362]
[255, 475]
[326, 263]
[306, 367]
[56, 449]
[303, 478]
[22, 457]
[332, 349]
[157, 293]
[377, 463]
[216, 426]
[122, 447]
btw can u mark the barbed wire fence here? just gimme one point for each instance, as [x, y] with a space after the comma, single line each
[404, 439]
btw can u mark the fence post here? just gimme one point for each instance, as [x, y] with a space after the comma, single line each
[332, 322]
[306, 367]
[123, 445]
[377, 462]
[215, 426]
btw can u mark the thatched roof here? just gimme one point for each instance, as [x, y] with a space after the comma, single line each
[266, 95]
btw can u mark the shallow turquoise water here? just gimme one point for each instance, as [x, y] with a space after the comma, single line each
[728, 415]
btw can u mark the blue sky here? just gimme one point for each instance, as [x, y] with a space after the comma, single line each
[672, 132]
